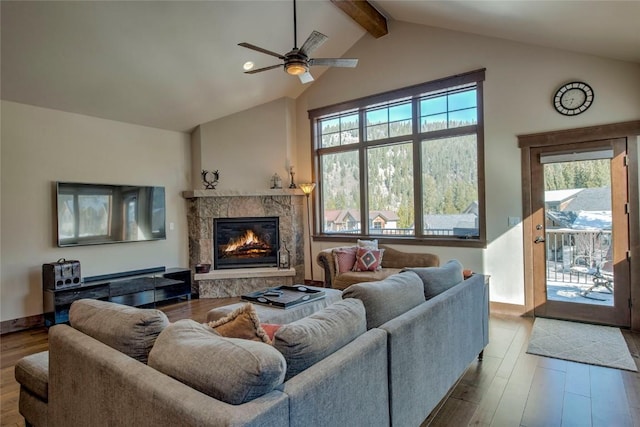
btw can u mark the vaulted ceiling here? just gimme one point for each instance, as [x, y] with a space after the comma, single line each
[176, 64]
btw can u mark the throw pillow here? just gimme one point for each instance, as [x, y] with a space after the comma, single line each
[242, 323]
[388, 298]
[438, 279]
[270, 329]
[369, 244]
[368, 259]
[344, 258]
[309, 340]
[232, 370]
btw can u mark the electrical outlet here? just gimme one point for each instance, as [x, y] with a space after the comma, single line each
[513, 221]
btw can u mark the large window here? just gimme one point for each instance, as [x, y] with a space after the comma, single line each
[404, 165]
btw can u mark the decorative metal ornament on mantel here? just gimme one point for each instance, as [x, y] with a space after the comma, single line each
[210, 179]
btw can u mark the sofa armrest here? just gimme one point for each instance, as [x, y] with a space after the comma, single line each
[394, 258]
[91, 384]
[325, 260]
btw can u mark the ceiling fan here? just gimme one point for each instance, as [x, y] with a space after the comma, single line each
[297, 61]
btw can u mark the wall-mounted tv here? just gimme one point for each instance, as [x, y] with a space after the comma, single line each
[94, 214]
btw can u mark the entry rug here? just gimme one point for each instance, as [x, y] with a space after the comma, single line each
[580, 342]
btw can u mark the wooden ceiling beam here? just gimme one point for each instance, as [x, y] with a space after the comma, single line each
[365, 15]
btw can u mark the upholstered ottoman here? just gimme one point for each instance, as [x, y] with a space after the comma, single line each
[281, 316]
[32, 373]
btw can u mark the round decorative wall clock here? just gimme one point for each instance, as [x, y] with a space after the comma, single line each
[573, 98]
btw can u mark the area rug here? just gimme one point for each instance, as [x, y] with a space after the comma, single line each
[580, 342]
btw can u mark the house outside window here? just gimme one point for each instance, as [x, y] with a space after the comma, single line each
[407, 164]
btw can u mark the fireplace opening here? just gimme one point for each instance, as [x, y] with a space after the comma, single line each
[245, 242]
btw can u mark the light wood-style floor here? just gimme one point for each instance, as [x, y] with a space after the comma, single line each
[508, 388]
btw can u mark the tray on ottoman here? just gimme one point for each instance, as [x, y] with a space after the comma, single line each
[284, 296]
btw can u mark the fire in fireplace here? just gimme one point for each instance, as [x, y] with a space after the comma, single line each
[245, 242]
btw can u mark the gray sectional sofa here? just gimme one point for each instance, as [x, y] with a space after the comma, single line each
[383, 355]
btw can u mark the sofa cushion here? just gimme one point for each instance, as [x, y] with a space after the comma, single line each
[129, 330]
[232, 370]
[242, 323]
[387, 298]
[309, 340]
[368, 259]
[32, 372]
[438, 279]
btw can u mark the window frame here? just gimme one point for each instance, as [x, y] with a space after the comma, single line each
[360, 106]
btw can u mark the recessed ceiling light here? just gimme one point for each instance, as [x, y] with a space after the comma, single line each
[248, 65]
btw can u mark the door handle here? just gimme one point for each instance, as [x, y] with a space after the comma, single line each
[539, 239]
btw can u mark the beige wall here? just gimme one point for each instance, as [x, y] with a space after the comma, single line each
[41, 146]
[247, 148]
[520, 82]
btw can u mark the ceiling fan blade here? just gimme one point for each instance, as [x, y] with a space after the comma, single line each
[334, 62]
[258, 70]
[314, 41]
[259, 49]
[305, 77]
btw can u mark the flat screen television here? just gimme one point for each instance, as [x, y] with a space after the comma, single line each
[94, 214]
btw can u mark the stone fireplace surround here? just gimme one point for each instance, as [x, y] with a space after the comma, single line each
[205, 205]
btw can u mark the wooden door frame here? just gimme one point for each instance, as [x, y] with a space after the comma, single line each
[630, 131]
[617, 314]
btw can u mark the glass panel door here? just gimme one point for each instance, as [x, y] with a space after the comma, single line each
[578, 223]
[580, 234]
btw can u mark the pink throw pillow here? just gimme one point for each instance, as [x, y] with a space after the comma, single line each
[270, 329]
[368, 259]
[344, 258]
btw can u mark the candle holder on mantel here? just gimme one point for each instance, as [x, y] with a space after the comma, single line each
[292, 173]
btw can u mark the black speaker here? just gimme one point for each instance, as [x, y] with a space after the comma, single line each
[61, 274]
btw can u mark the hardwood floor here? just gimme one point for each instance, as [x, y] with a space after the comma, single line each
[513, 388]
[508, 388]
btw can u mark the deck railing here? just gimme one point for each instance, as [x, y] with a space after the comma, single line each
[396, 231]
[573, 255]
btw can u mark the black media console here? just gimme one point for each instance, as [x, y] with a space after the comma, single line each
[139, 288]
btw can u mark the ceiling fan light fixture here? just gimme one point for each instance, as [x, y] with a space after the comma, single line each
[297, 61]
[296, 68]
